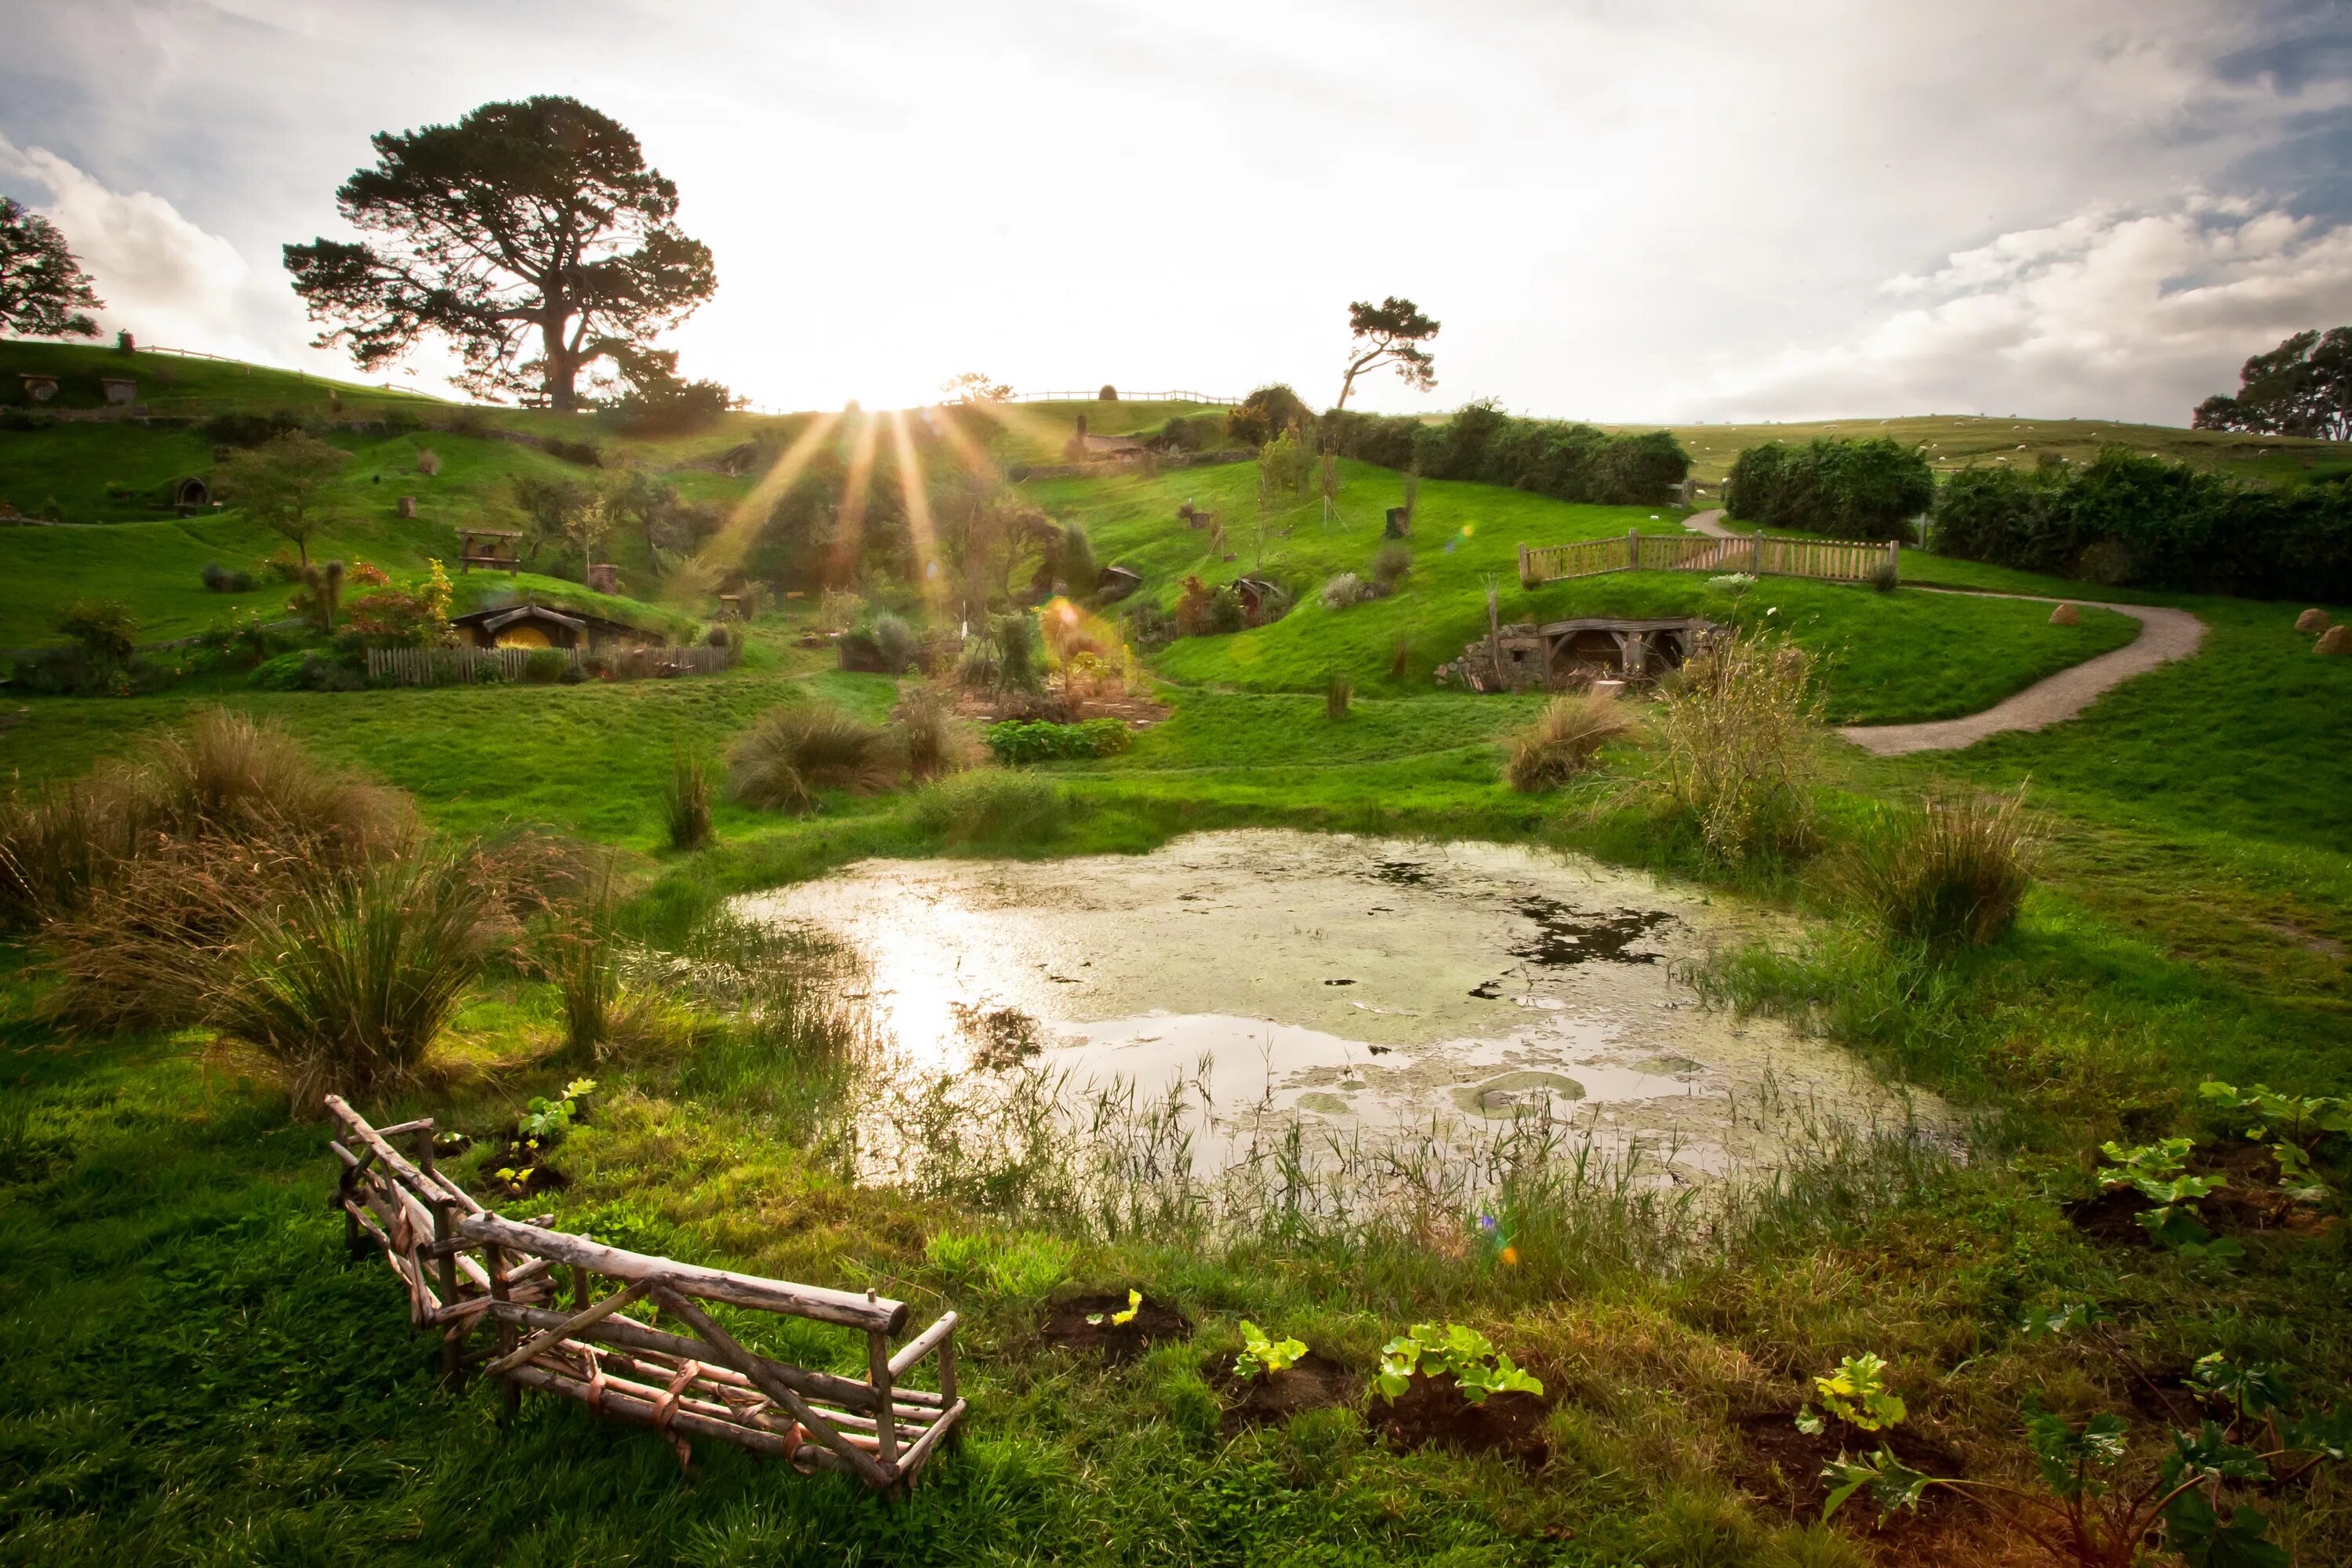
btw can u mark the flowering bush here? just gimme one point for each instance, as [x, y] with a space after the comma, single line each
[393, 617]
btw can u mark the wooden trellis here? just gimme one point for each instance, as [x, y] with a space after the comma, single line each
[465, 1269]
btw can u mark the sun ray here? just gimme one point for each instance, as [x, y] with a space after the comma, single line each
[977, 460]
[727, 547]
[849, 523]
[911, 486]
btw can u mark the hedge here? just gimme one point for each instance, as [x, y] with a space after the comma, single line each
[1038, 740]
[2128, 520]
[1550, 457]
[1835, 487]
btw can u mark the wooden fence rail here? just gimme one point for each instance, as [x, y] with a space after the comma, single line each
[1831, 560]
[465, 1269]
[465, 666]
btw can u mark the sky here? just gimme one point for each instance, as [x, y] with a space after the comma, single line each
[1620, 211]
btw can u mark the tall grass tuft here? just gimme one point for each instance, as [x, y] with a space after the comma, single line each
[1953, 875]
[1338, 691]
[792, 753]
[59, 842]
[993, 806]
[1737, 727]
[686, 802]
[1564, 741]
[937, 742]
[343, 978]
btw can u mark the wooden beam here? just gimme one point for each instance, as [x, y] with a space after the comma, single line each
[566, 1329]
[848, 1309]
[761, 1373]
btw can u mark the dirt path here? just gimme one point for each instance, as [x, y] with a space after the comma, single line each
[2165, 634]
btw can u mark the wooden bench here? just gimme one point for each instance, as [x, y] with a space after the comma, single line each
[465, 1269]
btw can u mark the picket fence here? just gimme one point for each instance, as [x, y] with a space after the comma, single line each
[1830, 560]
[464, 666]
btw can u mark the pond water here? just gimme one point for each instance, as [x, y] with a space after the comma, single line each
[1357, 984]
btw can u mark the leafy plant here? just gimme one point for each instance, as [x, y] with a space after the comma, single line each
[1261, 1355]
[1040, 741]
[1120, 1320]
[1478, 1368]
[2155, 1172]
[1856, 1394]
[547, 1120]
[2300, 1120]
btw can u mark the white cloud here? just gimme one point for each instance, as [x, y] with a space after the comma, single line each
[2127, 314]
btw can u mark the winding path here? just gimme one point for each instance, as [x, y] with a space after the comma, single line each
[2165, 634]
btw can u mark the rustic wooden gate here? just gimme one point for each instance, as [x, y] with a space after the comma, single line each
[465, 1269]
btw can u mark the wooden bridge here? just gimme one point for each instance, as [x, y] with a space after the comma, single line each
[1757, 555]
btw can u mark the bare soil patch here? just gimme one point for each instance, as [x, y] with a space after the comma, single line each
[1155, 1322]
[1136, 710]
[1432, 1413]
[1315, 1381]
[2251, 1203]
[1783, 1467]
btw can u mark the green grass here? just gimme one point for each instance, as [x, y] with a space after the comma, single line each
[196, 1376]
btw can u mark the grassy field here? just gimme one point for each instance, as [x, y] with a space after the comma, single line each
[195, 1375]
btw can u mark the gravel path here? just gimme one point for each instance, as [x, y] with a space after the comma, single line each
[2165, 634]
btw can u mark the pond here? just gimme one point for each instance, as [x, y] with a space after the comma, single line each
[1360, 986]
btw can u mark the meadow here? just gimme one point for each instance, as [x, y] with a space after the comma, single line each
[198, 1376]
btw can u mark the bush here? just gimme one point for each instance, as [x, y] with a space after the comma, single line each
[1481, 443]
[546, 666]
[1737, 726]
[1039, 741]
[1267, 413]
[896, 642]
[686, 803]
[792, 753]
[934, 740]
[1389, 566]
[2127, 519]
[105, 629]
[428, 462]
[1951, 876]
[1109, 394]
[308, 669]
[1835, 487]
[1347, 589]
[249, 430]
[991, 806]
[344, 978]
[1564, 741]
[219, 579]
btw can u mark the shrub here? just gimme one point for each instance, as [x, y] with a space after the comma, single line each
[934, 739]
[395, 618]
[344, 977]
[1338, 691]
[1952, 876]
[1109, 394]
[896, 642]
[1389, 566]
[1567, 462]
[546, 666]
[1833, 486]
[686, 802]
[1039, 741]
[2128, 519]
[1225, 612]
[1564, 740]
[1347, 589]
[249, 429]
[1885, 577]
[219, 579]
[308, 669]
[1267, 413]
[991, 806]
[792, 753]
[1736, 728]
[1017, 647]
[428, 462]
[104, 629]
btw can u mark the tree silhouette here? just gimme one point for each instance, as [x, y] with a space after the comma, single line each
[2303, 387]
[539, 216]
[1389, 332]
[43, 292]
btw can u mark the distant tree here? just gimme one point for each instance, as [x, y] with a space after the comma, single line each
[533, 216]
[2303, 387]
[1267, 413]
[545, 508]
[280, 483]
[1389, 332]
[659, 402]
[974, 387]
[43, 292]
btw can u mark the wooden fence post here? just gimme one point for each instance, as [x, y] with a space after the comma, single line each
[1633, 550]
[878, 1371]
[1755, 548]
